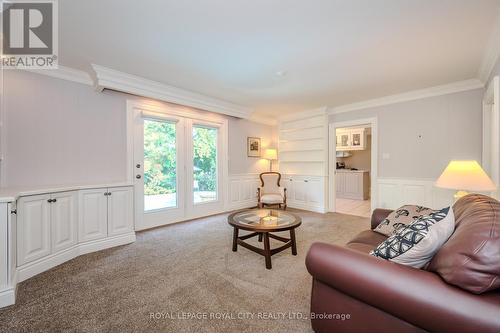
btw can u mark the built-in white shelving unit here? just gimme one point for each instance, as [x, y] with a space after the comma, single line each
[303, 158]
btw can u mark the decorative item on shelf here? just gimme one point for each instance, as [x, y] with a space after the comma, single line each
[465, 176]
[271, 155]
[253, 147]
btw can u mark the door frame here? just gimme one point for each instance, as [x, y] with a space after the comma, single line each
[491, 132]
[137, 106]
[332, 150]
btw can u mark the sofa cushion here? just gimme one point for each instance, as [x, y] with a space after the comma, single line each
[471, 257]
[401, 217]
[416, 244]
[366, 241]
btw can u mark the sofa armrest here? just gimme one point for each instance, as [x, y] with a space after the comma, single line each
[378, 216]
[419, 297]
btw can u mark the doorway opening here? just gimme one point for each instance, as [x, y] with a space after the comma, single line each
[353, 167]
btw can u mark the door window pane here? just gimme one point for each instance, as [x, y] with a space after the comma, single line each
[160, 181]
[204, 164]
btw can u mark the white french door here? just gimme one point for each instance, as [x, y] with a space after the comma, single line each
[178, 168]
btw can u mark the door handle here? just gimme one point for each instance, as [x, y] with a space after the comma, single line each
[138, 176]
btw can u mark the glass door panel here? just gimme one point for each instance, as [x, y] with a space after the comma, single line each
[160, 163]
[205, 168]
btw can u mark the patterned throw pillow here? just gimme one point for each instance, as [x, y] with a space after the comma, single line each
[415, 244]
[401, 217]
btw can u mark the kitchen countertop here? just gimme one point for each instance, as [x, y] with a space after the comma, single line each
[349, 170]
[13, 193]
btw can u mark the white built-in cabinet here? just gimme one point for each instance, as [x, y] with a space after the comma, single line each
[351, 139]
[51, 223]
[120, 210]
[305, 192]
[41, 229]
[46, 224]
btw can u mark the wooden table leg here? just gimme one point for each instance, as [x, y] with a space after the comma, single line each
[267, 250]
[235, 239]
[294, 244]
[260, 237]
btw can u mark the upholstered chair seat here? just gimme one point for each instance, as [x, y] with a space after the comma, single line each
[270, 192]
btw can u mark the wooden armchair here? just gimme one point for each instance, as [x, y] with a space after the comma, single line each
[270, 193]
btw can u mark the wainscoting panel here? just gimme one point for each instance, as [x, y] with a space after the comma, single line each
[395, 192]
[243, 191]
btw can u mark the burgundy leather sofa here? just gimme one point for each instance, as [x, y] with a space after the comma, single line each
[458, 291]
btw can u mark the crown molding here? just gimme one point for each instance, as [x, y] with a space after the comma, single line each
[107, 78]
[65, 73]
[257, 118]
[321, 111]
[492, 52]
[410, 96]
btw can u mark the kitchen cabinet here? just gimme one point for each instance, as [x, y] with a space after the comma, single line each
[351, 139]
[352, 184]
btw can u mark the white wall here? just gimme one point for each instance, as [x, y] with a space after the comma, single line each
[422, 136]
[59, 132]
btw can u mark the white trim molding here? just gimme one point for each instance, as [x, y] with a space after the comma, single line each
[107, 78]
[65, 73]
[444, 89]
[242, 191]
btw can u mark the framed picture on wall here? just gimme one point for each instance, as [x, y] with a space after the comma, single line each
[253, 147]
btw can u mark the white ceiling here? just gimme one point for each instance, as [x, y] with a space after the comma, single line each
[334, 52]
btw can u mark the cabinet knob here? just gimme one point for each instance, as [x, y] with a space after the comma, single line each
[14, 211]
[138, 176]
[138, 166]
[49, 201]
[306, 181]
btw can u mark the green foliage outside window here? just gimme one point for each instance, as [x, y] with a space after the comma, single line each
[160, 158]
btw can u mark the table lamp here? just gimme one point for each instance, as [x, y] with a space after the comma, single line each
[465, 176]
[271, 154]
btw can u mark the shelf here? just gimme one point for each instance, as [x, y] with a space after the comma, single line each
[301, 150]
[304, 139]
[292, 161]
[301, 128]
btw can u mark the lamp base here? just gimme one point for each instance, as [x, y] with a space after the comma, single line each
[460, 194]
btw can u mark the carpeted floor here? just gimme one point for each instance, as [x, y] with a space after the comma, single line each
[174, 272]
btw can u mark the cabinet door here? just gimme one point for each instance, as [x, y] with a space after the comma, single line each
[300, 190]
[358, 139]
[354, 185]
[340, 182]
[33, 234]
[344, 140]
[92, 214]
[64, 220]
[120, 210]
[315, 192]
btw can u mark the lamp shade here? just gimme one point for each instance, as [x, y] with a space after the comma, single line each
[465, 175]
[270, 154]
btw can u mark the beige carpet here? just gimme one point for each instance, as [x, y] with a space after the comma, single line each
[174, 272]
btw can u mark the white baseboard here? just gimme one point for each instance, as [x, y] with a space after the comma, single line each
[7, 297]
[306, 207]
[41, 265]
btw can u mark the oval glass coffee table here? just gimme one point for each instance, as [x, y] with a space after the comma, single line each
[261, 222]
